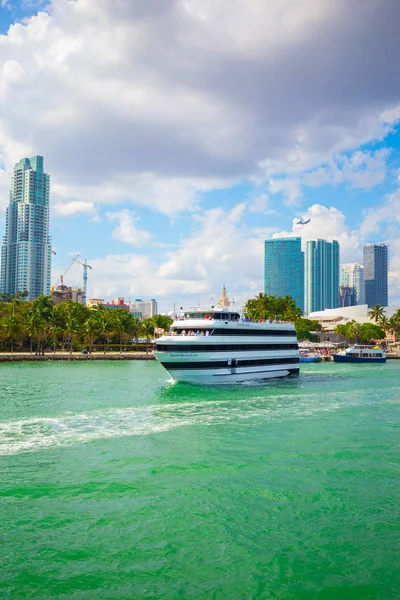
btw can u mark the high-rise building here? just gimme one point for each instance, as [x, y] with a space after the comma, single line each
[321, 270]
[347, 296]
[376, 268]
[145, 308]
[352, 275]
[26, 248]
[284, 269]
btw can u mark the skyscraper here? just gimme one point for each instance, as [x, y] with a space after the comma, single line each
[376, 267]
[26, 248]
[321, 272]
[347, 296]
[284, 269]
[352, 275]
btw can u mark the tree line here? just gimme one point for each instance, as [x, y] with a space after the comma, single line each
[366, 332]
[284, 308]
[39, 325]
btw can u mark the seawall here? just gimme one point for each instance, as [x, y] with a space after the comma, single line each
[50, 356]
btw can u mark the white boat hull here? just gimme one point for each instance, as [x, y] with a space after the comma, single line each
[238, 375]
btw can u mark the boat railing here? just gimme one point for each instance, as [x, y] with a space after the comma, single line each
[191, 333]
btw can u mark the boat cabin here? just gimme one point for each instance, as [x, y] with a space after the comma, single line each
[213, 315]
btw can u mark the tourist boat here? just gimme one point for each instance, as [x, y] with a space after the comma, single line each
[361, 354]
[309, 357]
[222, 346]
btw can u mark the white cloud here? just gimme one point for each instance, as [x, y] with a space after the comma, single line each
[218, 250]
[73, 208]
[360, 170]
[127, 230]
[290, 187]
[260, 204]
[148, 99]
[328, 224]
[386, 214]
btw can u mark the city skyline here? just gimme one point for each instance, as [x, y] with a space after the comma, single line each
[170, 183]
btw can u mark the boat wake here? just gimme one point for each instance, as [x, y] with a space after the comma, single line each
[35, 434]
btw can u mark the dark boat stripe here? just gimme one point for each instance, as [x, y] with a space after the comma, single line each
[246, 331]
[199, 347]
[223, 364]
[291, 371]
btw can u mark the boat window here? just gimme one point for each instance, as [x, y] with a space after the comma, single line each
[204, 315]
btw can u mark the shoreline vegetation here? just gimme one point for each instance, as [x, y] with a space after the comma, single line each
[39, 327]
[75, 356]
[38, 330]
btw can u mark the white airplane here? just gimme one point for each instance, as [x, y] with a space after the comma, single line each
[303, 222]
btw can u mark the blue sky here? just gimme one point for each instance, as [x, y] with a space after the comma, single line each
[179, 136]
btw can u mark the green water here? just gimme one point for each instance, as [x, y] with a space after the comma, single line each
[116, 484]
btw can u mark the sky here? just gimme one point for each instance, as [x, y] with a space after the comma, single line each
[180, 134]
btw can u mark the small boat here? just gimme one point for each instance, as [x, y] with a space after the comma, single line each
[310, 357]
[361, 354]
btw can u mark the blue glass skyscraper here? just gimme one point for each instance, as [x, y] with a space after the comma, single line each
[284, 269]
[26, 248]
[376, 267]
[321, 270]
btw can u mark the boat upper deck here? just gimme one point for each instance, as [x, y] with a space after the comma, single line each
[223, 319]
[203, 328]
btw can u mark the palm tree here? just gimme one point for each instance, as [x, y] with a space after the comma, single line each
[269, 307]
[104, 326]
[43, 307]
[135, 329]
[12, 329]
[71, 329]
[147, 329]
[54, 326]
[35, 328]
[90, 330]
[162, 321]
[376, 312]
[384, 324]
[394, 325]
[122, 325]
[72, 319]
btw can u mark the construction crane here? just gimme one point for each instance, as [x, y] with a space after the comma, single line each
[61, 279]
[85, 275]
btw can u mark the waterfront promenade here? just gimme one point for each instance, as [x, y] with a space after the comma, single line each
[51, 356]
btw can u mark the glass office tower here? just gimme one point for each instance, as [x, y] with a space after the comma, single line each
[376, 269]
[26, 248]
[352, 275]
[284, 269]
[321, 270]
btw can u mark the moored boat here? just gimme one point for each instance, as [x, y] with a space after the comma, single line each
[309, 357]
[223, 346]
[360, 354]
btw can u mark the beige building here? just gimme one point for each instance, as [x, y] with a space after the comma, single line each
[223, 302]
[332, 317]
[62, 293]
[95, 302]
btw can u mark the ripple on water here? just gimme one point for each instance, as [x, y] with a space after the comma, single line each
[35, 434]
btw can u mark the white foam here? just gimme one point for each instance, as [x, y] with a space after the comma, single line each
[35, 434]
